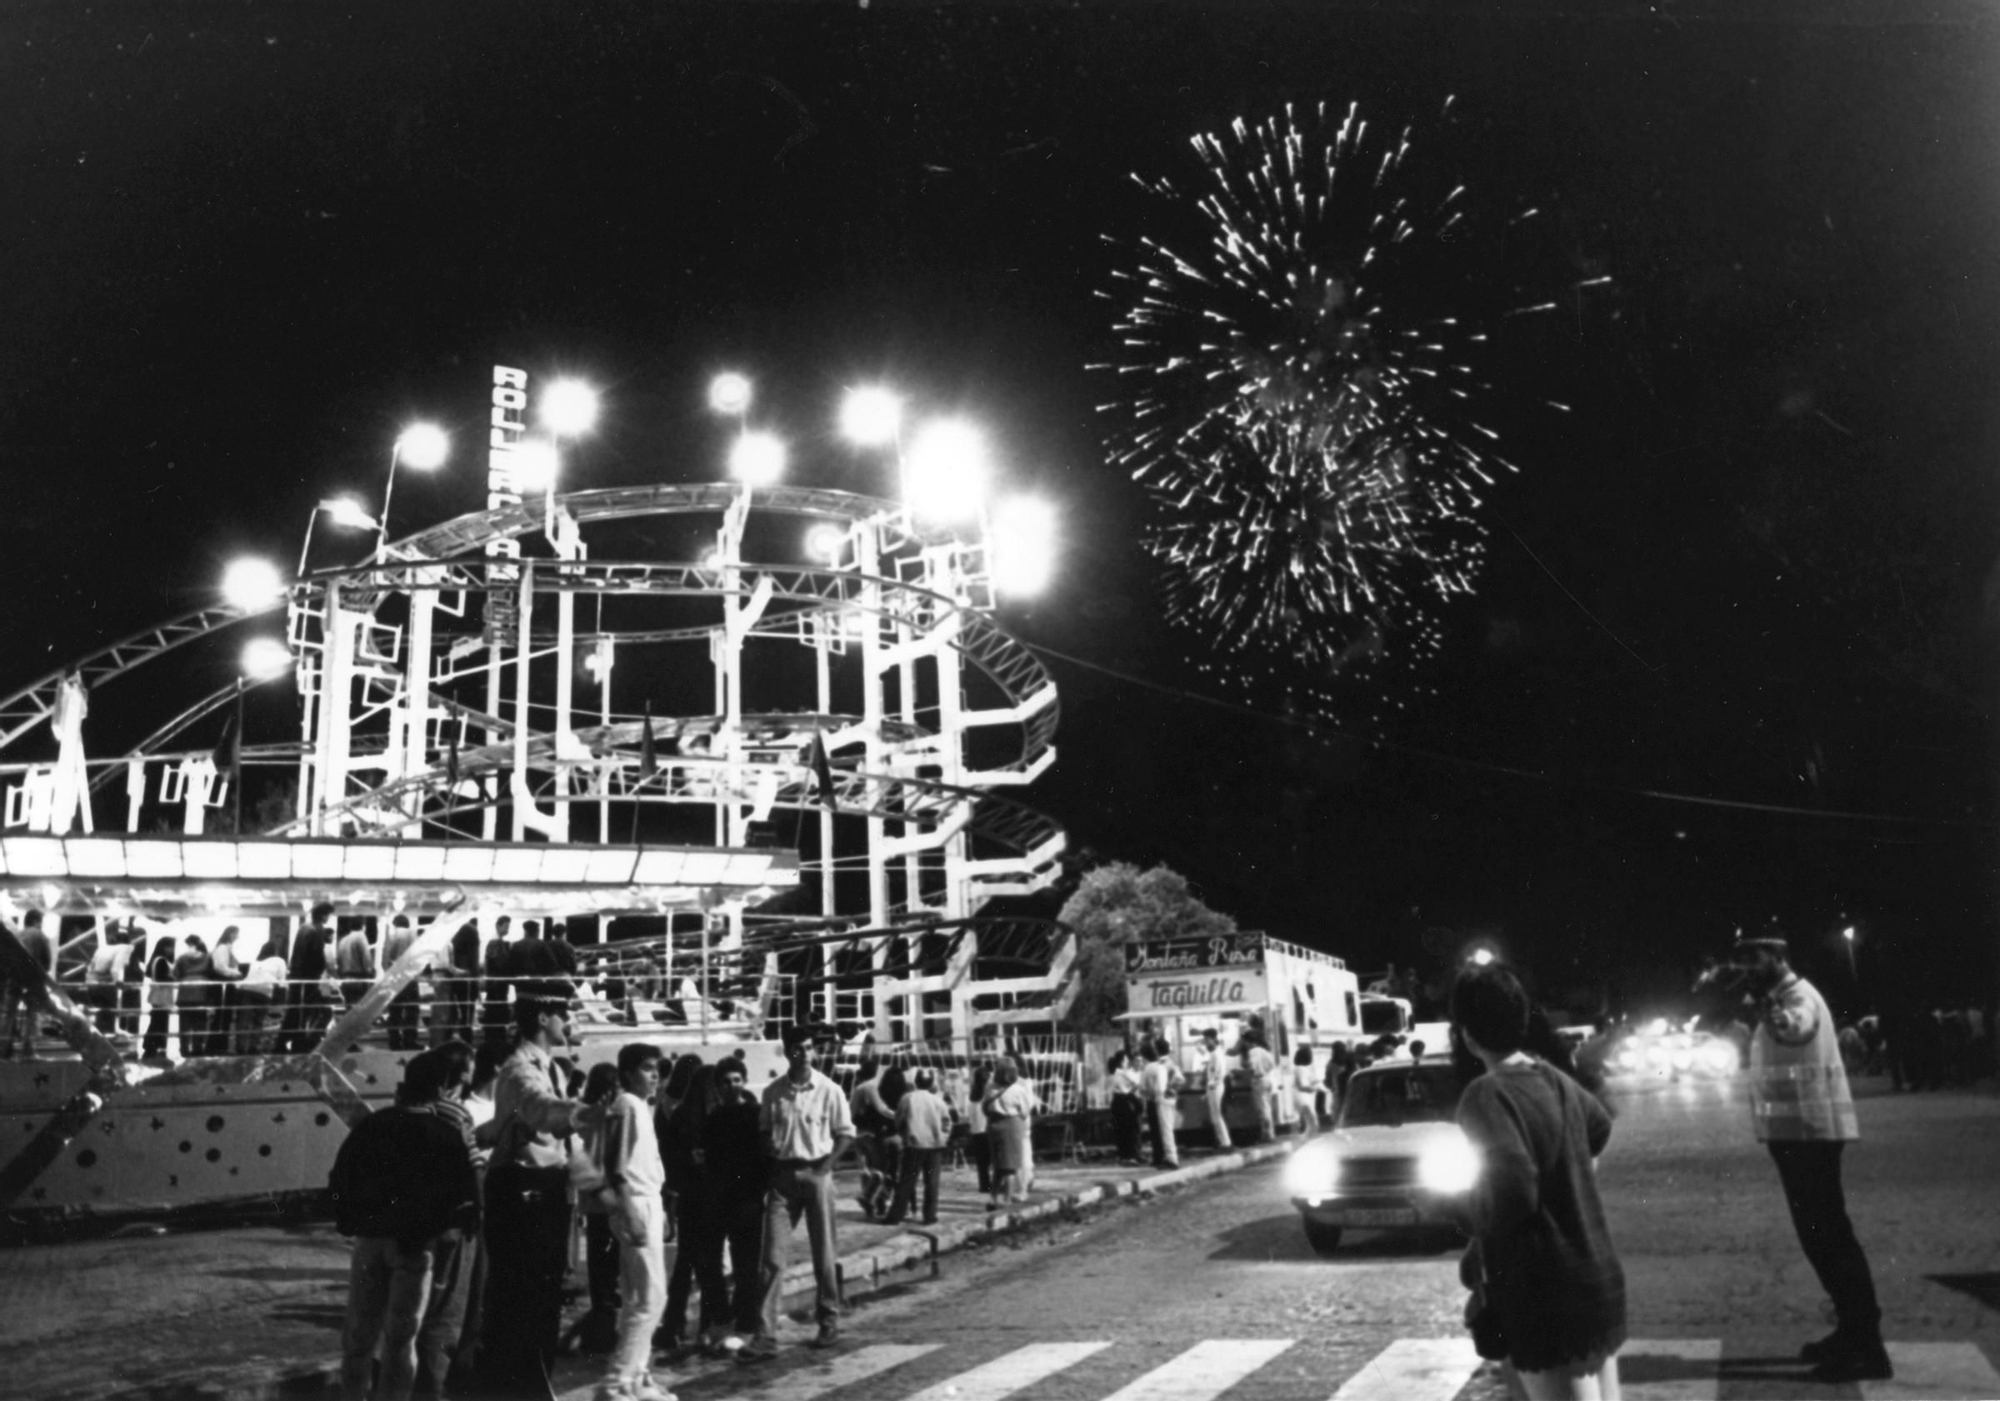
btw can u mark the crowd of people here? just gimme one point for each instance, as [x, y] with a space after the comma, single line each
[460, 1283]
[183, 995]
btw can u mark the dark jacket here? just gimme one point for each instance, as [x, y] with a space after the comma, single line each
[1551, 1272]
[403, 1173]
[308, 962]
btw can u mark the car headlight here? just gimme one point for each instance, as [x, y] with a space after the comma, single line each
[1720, 1058]
[1451, 1165]
[1314, 1171]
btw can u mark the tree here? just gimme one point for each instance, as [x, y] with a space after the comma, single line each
[1118, 904]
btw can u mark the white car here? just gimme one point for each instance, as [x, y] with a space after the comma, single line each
[1394, 1136]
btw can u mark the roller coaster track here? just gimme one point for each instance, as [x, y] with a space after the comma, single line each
[1018, 673]
[1012, 827]
[433, 558]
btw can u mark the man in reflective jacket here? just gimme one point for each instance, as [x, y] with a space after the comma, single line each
[1804, 1115]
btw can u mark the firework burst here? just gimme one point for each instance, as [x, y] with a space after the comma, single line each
[1302, 390]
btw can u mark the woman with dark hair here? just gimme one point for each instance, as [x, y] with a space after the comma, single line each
[159, 998]
[699, 1230]
[1010, 1107]
[1548, 1290]
[978, 1146]
[195, 997]
[1127, 1109]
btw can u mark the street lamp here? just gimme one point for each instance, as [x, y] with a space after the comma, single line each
[1023, 545]
[757, 459]
[1847, 937]
[568, 408]
[264, 659]
[870, 417]
[252, 585]
[945, 472]
[825, 541]
[343, 511]
[729, 393]
[424, 446]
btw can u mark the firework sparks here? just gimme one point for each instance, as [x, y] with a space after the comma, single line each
[1301, 395]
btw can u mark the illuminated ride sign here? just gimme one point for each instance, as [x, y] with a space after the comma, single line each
[1171, 977]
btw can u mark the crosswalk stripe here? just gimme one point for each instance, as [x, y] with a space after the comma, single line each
[1004, 1376]
[844, 1370]
[1204, 1371]
[1669, 1369]
[1414, 1369]
[1930, 1370]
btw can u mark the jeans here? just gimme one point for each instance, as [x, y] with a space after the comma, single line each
[194, 1030]
[1160, 1116]
[1810, 1173]
[797, 1189]
[642, 1285]
[527, 1243]
[926, 1163]
[386, 1289]
[698, 1240]
[742, 1220]
[1127, 1114]
[454, 1265]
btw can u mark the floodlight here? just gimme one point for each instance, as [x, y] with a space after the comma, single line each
[253, 585]
[758, 459]
[568, 407]
[423, 446]
[870, 416]
[944, 475]
[347, 513]
[533, 465]
[266, 659]
[1023, 545]
[729, 392]
[824, 542]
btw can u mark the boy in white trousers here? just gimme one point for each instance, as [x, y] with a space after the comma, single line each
[634, 1177]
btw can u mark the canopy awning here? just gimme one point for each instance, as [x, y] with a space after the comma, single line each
[165, 876]
[1170, 1013]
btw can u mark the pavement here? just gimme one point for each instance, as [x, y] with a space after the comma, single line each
[252, 1312]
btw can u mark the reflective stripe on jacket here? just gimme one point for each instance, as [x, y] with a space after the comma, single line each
[1798, 1086]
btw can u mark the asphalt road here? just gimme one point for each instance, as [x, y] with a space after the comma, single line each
[1214, 1290]
[1204, 1291]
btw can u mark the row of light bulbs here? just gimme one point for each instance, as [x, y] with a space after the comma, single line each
[945, 475]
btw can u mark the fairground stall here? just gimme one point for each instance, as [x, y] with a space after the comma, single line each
[1235, 984]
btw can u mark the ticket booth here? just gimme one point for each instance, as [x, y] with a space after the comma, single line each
[1176, 989]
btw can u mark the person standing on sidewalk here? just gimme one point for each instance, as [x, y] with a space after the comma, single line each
[527, 1206]
[1160, 1087]
[923, 1122]
[1804, 1116]
[1215, 1084]
[806, 1127]
[633, 1178]
[401, 1179]
[405, 1009]
[732, 1150]
[1010, 1111]
[1128, 1110]
[1262, 1069]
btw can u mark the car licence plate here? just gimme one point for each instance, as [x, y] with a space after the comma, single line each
[1378, 1216]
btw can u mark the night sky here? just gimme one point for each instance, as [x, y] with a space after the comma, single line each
[1753, 565]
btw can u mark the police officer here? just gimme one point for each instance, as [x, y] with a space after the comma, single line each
[1804, 1115]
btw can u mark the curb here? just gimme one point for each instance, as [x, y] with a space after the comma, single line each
[861, 1272]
